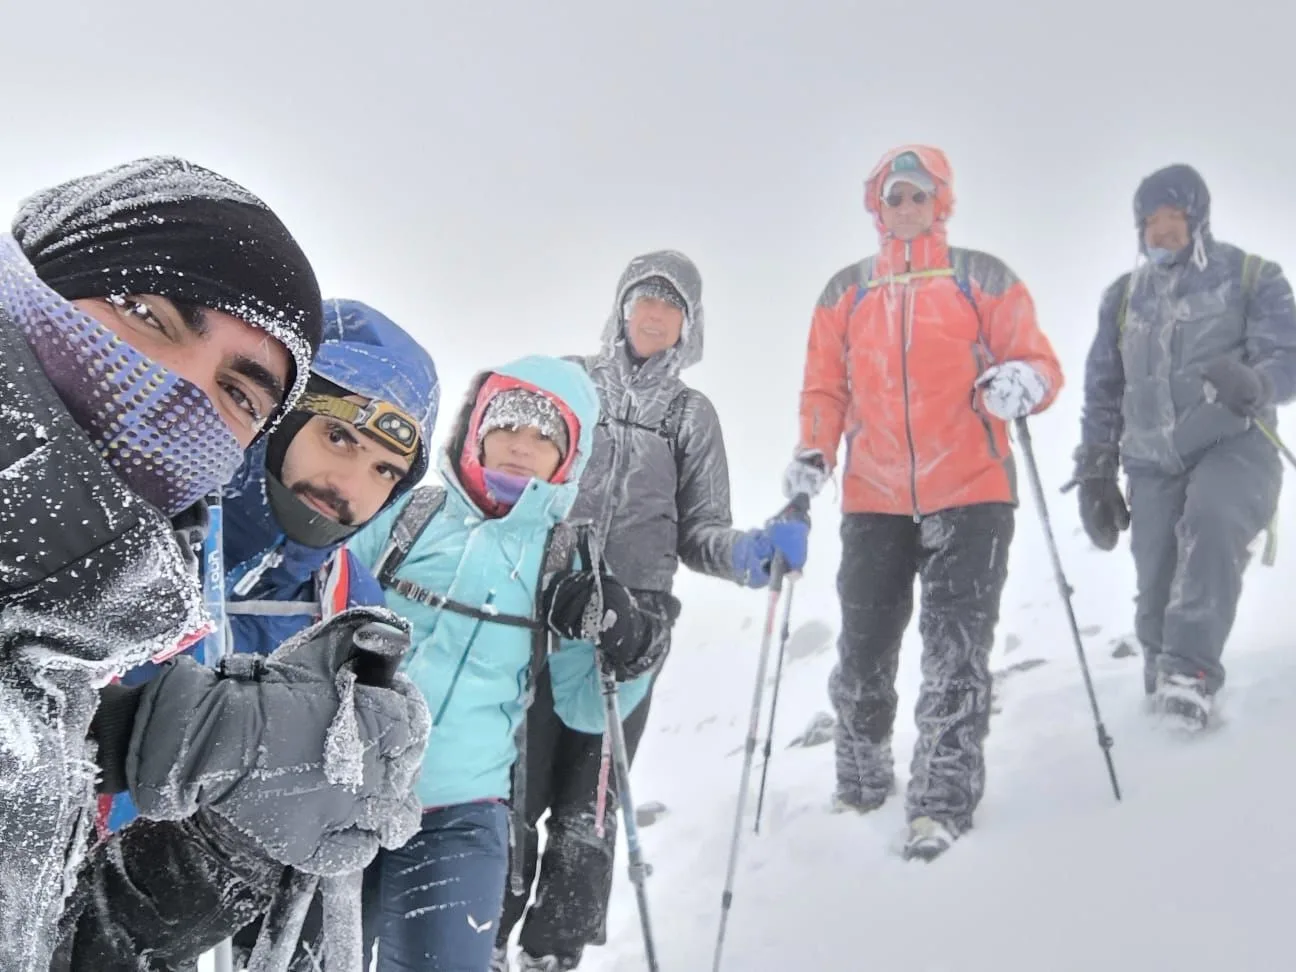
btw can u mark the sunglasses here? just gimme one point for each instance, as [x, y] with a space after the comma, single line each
[896, 199]
[379, 420]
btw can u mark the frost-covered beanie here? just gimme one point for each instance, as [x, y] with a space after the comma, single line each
[519, 408]
[654, 288]
[161, 226]
[165, 226]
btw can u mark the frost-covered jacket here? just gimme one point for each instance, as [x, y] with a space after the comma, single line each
[92, 582]
[896, 344]
[654, 501]
[474, 673]
[1143, 382]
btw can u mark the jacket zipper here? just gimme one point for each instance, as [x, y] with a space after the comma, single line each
[904, 378]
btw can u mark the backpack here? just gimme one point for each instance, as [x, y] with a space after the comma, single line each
[560, 548]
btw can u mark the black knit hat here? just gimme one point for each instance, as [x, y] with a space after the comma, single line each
[165, 226]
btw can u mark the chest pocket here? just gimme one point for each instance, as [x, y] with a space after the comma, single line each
[1205, 324]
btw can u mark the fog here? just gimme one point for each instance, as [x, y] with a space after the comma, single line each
[481, 172]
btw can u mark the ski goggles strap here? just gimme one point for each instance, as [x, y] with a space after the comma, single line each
[381, 420]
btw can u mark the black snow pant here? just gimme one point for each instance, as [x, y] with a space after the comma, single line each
[575, 875]
[159, 894]
[960, 556]
[1190, 536]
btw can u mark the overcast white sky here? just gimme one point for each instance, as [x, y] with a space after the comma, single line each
[482, 171]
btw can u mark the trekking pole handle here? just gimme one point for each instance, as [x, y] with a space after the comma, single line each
[379, 649]
[798, 511]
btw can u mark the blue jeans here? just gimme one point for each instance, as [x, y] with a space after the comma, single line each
[434, 905]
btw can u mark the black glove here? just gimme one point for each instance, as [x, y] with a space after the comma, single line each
[1102, 506]
[111, 729]
[1238, 387]
[622, 631]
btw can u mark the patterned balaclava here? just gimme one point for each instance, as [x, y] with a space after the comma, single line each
[155, 226]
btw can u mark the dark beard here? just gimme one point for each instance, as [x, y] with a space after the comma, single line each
[330, 498]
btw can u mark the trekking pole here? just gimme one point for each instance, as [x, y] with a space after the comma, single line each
[213, 583]
[1272, 436]
[1211, 395]
[777, 571]
[778, 678]
[797, 509]
[639, 869]
[1104, 740]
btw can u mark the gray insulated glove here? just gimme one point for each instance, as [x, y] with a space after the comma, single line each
[292, 749]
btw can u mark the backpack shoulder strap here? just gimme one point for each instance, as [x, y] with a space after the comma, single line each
[1124, 304]
[963, 280]
[864, 286]
[959, 264]
[1251, 267]
[673, 423]
[425, 503]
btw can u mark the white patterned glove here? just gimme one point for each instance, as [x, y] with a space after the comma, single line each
[805, 475]
[1011, 390]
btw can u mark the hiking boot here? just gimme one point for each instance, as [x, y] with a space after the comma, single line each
[928, 839]
[856, 799]
[1184, 699]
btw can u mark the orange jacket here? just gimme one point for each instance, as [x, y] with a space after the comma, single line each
[895, 348]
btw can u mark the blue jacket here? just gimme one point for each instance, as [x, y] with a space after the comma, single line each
[367, 354]
[474, 673]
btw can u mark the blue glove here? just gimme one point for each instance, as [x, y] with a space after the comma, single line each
[753, 552]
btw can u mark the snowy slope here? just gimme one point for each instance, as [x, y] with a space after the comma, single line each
[1190, 872]
[1187, 873]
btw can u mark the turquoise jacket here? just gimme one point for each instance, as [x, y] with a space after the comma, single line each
[474, 673]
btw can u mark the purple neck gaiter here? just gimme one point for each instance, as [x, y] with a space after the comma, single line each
[504, 487]
[159, 433]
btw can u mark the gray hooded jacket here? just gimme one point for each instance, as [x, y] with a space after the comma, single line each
[655, 502]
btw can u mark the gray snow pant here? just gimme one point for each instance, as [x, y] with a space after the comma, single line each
[960, 556]
[1189, 535]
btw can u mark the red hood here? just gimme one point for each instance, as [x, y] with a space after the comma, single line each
[930, 249]
[471, 474]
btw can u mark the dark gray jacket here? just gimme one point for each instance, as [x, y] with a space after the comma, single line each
[92, 582]
[1143, 382]
[656, 502]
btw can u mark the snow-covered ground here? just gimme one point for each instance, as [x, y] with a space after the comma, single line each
[1190, 872]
